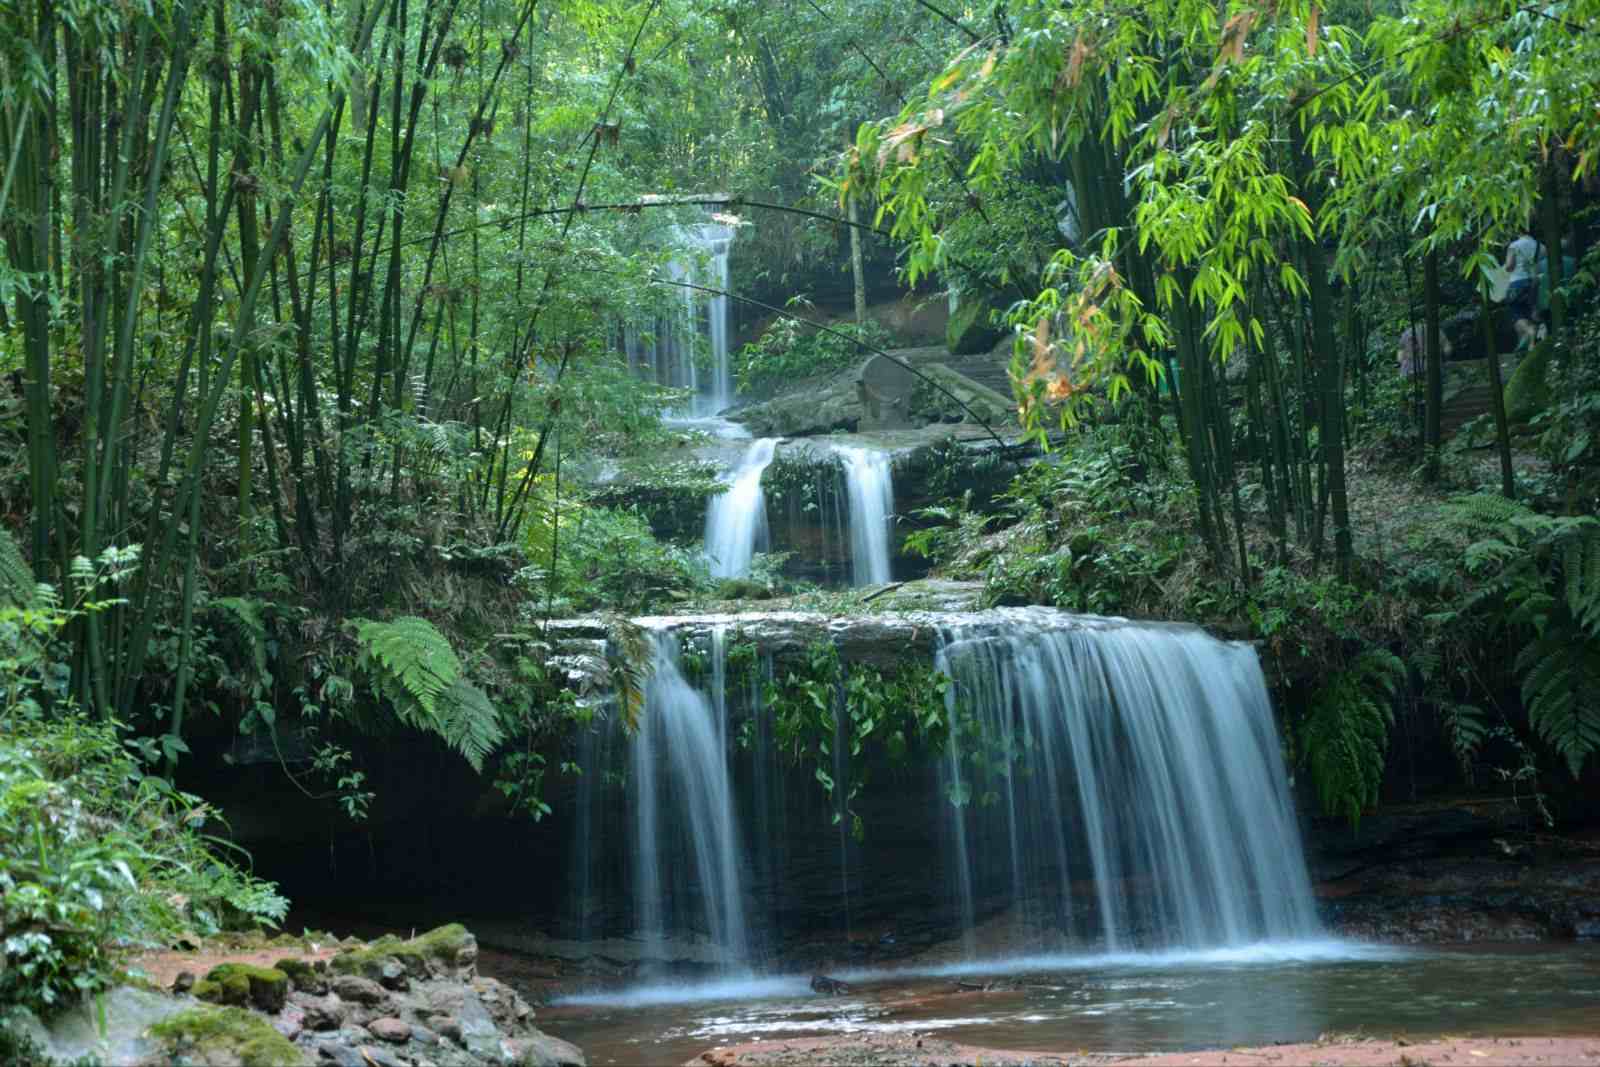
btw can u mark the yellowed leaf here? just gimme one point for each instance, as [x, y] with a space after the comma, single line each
[1313, 22]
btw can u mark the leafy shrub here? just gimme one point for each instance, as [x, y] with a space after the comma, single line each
[96, 857]
[608, 558]
[791, 351]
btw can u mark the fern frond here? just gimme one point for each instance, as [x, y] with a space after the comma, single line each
[243, 616]
[414, 659]
[1465, 725]
[1345, 737]
[632, 660]
[16, 577]
[468, 722]
[1476, 511]
[1561, 688]
[1580, 566]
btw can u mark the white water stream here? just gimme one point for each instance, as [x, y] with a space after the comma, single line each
[870, 487]
[736, 519]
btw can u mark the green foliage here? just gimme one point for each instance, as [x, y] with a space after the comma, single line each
[1537, 580]
[411, 665]
[16, 577]
[96, 857]
[830, 718]
[608, 559]
[1345, 735]
[1561, 687]
[790, 352]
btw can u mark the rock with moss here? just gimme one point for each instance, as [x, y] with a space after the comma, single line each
[970, 330]
[241, 984]
[446, 952]
[1528, 391]
[224, 1036]
[303, 976]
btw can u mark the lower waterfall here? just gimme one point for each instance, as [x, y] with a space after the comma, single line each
[1153, 810]
[1119, 787]
[688, 865]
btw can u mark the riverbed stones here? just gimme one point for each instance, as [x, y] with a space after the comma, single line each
[320, 1013]
[390, 1029]
[545, 1051]
[363, 991]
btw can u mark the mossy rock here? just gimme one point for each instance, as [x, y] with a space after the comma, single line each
[449, 951]
[742, 589]
[970, 331]
[225, 1035]
[1528, 391]
[240, 984]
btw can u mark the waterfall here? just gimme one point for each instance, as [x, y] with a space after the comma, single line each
[871, 491]
[1149, 807]
[668, 354]
[736, 519]
[687, 858]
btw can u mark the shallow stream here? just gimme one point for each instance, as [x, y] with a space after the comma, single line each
[1129, 1003]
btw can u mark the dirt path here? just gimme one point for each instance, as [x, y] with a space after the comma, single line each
[897, 1050]
[164, 967]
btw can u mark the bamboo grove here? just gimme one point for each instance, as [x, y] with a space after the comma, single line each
[1243, 179]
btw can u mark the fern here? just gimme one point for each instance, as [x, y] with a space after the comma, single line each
[412, 665]
[1346, 734]
[243, 617]
[1580, 568]
[415, 660]
[1561, 688]
[1466, 726]
[16, 577]
[469, 722]
[631, 661]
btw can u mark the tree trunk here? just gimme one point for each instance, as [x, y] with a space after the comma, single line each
[1435, 365]
[1330, 371]
[858, 276]
[1497, 400]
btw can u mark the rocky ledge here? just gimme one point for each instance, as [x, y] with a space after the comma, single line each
[390, 1003]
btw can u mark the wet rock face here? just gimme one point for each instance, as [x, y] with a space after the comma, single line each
[1469, 871]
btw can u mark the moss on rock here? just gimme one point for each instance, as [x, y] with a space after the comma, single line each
[240, 984]
[446, 951]
[225, 1035]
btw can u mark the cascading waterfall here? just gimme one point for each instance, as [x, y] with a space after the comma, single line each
[870, 488]
[736, 518]
[665, 349]
[1154, 811]
[687, 858]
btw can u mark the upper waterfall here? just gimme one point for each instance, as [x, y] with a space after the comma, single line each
[668, 347]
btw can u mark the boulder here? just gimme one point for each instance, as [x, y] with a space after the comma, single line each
[885, 387]
[395, 1031]
[362, 991]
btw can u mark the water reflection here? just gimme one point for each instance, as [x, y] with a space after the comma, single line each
[1109, 1005]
